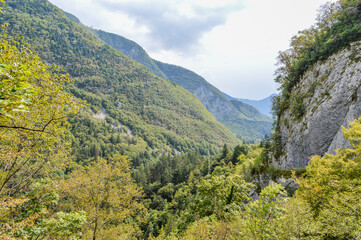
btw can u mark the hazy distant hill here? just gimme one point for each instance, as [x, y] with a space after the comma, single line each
[239, 119]
[263, 105]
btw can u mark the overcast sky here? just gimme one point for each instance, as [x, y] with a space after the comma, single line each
[233, 44]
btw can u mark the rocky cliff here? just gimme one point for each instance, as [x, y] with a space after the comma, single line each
[328, 97]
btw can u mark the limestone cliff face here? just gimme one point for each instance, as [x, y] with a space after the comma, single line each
[331, 97]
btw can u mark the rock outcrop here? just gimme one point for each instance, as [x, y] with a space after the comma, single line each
[330, 97]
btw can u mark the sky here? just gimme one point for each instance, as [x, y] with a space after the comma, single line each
[233, 44]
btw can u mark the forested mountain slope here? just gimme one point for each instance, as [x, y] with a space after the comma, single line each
[237, 118]
[320, 86]
[143, 112]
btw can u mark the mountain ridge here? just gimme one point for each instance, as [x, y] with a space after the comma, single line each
[212, 98]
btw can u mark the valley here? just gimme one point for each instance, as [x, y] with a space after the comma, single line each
[100, 141]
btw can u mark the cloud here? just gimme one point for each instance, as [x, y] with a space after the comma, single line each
[232, 43]
[175, 25]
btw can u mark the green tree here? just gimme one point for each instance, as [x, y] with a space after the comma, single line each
[237, 151]
[224, 151]
[107, 193]
[296, 221]
[260, 216]
[332, 188]
[222, 196]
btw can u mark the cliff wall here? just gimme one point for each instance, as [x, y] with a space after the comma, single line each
[329, 95]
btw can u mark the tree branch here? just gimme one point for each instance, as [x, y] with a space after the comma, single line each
[34, 130]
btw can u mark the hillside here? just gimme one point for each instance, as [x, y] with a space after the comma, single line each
[142, 112]
[238, 120]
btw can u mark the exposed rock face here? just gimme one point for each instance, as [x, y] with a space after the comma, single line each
[214, 103]
[332, 98]
[263, 180]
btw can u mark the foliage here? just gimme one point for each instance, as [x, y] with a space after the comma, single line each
[256, 161]
[332, 186]
[237, 151]
[106, 192]
[207, 229]
[222, 196]
[34, 216]
[224, 151]
[170, 184]
[297, 108]
[93, 138]
[33, 122]
[15, 90]
[261, 215]
[296, 221]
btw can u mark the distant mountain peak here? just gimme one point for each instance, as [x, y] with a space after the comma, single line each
[263, 105]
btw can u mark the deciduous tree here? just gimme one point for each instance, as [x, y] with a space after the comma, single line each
[33, 115]
[107, 193]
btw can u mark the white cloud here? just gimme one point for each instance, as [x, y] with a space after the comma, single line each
[239, 57]
[232, 43]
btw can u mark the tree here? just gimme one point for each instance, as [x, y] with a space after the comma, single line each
[328, 14]
[33, 115]
[260, 216]
[237, 151]
[106, 192]
[296, 221]
[34, 216]
[224, 151]
[222, 196]
[332, 188]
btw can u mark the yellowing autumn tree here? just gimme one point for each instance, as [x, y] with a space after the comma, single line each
[109, 196]
[33, 115]
[332, 188]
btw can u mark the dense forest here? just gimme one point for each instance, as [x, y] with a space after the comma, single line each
[69, 169]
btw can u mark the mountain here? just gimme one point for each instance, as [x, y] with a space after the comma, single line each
[237, 118]
[263, 105]
[130, 110]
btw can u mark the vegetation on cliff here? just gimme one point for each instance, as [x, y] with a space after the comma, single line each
[338, 24]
